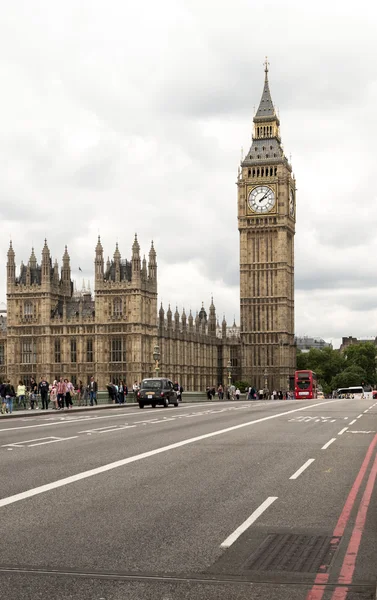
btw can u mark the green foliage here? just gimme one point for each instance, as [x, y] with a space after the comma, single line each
[364, 357]
[335, 369]
[302, 361]
[242, 386]
[354, 375]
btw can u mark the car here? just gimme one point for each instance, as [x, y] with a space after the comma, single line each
[157, 390]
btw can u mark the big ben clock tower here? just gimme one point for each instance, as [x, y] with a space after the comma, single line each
[266, 222]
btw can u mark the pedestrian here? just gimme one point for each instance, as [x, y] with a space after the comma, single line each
[121, 392]
[111, 392]
[135, 389]
[79, 391]
[9, 395]
[53, 395]
[70, 390]
[85, 395]
[208, 392]
[93, 391]
[220, 391]
[33, 394]
[21, 394]
[61, 390]
[238, 393]
[43, 389]
[125, 393]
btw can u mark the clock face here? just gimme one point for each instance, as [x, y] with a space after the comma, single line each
[292, 204]
[262, 199]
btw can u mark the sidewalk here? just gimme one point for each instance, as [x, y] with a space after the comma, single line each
[64, 411]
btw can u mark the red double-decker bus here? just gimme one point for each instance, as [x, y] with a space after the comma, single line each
[305, 385]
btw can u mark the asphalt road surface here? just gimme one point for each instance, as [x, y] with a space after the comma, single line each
[240, 500]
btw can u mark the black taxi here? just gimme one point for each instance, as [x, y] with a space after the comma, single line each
[157, 390]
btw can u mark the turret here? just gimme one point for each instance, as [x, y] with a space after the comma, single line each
[161, 317]
[56, 273]
[184, 321]
[152, 264]
[66, 273]
[98, 263]
[197, 322]
[212, 319]
[223, 328]
[135, 261]
[32, 260]
[117, 259]
[176, 320]
[11, 265]
[144, 273]
[46, 264]
[190, 322]
[169, 319]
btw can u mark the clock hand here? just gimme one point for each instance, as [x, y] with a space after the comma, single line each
[263, 197]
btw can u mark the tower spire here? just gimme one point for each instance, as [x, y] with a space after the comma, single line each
[266, 108]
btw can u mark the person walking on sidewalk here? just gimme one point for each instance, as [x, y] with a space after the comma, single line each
[21, 394]
[33, 394]
[61, 391]
[43, 390]
[3, 401]
[93, 391]
[69, 393]
[53, 395]
[9, 395]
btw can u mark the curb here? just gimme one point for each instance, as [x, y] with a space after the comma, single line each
[79, 409]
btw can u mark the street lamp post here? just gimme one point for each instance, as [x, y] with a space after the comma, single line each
[156, 358]
[265, 382]
[229, 367]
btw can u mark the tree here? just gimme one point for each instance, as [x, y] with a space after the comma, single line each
[364, 357]
[301, 360]
[352, 376]
[326, 363]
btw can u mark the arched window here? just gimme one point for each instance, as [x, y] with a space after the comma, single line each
[249, 173]
[258, 173]
[28, 308]
[117, 307]
[253, 172]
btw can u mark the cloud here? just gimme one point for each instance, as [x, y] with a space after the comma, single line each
[131, 117]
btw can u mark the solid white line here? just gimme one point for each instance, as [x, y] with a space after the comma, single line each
[117, 429]
[301, 469]
[126, 461]
[50, 437]
[342, 431]
[253, 517]
[352, 422]
[328, 444]
[53, 441]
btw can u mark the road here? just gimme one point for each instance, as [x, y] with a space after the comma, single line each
[240, 500]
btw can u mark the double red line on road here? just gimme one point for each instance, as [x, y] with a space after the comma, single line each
[348, 567]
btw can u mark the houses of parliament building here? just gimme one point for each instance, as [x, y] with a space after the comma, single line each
[54, 331]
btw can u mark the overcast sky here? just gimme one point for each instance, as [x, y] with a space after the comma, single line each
[122, 116]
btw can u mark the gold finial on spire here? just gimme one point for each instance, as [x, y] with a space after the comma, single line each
[266, 65]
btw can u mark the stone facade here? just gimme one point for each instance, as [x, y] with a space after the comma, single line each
[266, 222]
[51, 330]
